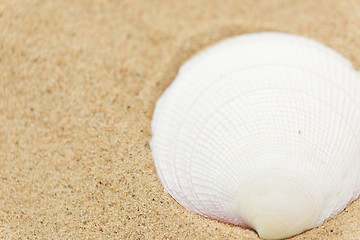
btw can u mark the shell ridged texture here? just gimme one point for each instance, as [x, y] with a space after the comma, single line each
[262, 131]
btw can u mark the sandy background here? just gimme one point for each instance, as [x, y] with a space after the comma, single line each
[78, 85]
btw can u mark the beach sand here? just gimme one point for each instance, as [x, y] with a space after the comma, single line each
[78, 84]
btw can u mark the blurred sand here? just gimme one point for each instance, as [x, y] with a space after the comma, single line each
[78, 85]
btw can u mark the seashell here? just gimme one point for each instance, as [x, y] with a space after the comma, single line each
[261, 131]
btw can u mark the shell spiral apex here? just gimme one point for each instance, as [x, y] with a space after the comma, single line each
[262, 131]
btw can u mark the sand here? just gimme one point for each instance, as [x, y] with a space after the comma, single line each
[78, 84]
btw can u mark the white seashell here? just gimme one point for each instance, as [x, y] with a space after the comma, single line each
[262, 131]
